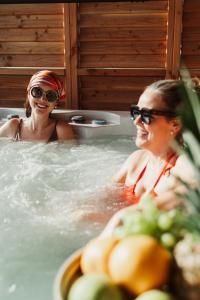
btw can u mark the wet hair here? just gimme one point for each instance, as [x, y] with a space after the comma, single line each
[49, 78]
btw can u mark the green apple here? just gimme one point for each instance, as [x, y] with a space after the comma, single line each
[94, 287]
[154, 295]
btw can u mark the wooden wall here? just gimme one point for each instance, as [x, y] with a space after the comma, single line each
[122, 49]
[106, 52]
[31, 38]
[191, 36]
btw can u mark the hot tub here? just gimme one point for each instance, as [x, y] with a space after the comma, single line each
[116, 123]
[54, 198]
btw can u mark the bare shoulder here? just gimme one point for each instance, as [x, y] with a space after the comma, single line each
[184, 169]
[131, 163]
[65, 131]
[136, 156]
[9, 128]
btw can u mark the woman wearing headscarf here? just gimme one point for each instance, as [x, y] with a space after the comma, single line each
[44, 92]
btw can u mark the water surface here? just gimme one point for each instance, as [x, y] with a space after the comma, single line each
[53, 199]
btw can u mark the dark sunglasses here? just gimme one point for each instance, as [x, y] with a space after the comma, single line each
[37, 92]
[146, 114]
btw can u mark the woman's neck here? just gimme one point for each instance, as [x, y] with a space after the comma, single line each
[163, 156]
[37, 123]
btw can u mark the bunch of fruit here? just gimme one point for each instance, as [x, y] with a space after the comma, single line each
[139, 264]
[135, 259]
[165, 226]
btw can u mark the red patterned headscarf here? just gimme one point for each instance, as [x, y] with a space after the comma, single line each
[48, 78]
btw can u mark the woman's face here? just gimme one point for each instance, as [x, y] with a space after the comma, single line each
[39, 100]
[157, 135]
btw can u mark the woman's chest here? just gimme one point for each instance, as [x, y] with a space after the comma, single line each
[150, 179]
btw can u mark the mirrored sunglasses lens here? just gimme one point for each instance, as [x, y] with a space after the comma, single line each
[51, 96]
[36, 92]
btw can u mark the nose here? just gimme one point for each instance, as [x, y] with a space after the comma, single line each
[43, 97]
[137, 120]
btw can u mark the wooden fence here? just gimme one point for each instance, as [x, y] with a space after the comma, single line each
[106, 52]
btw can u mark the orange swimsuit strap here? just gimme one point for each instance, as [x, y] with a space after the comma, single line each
[129, 192]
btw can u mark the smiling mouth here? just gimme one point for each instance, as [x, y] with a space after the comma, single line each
[41, 106]
[142, 133]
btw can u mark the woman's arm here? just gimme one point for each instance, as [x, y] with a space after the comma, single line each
[9, 128]
[65, 131]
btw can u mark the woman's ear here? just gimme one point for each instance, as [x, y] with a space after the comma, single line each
[176, 125]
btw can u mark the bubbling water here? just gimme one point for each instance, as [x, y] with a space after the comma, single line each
[53, 198]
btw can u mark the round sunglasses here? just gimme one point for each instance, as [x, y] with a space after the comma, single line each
[37, 92]
[146, 114]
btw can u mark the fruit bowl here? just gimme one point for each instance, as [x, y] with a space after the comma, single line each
[67, 274]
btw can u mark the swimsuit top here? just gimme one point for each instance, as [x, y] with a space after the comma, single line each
[53, 137]
[129, 192]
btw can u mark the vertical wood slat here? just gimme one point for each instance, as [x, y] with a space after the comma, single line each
[73, 55]
[71, 52]
[170, 39]
[174, 38]
[178, 10]
[67, 57]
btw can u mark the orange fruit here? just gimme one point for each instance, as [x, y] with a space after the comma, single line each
[139, 263]
[95, 255]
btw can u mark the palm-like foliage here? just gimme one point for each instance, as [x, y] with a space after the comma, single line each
[190, 115]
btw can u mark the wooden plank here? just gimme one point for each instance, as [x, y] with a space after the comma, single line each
[170, 39]
[74, 55]
[119, 33]
[191, 5]
[191, 35]
[122, 47]
[108, 96]
[16, 81]
[31, 48]
[191, 61]
[32, 35]
[27, 70]
[122, 61]
[67, 60]
[116, 83]
[14, 94]
[190, 48]
[12, 82]
[121, 7]
[122, 72]
[191, 19]
[32, 21]
[11, 103]
[31, 9]
[106, 106]
[42, 61]
[177, 38]
[127, 20]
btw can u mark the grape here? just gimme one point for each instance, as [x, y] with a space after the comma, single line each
[168, 240]
[165, 222]
[136, 223]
